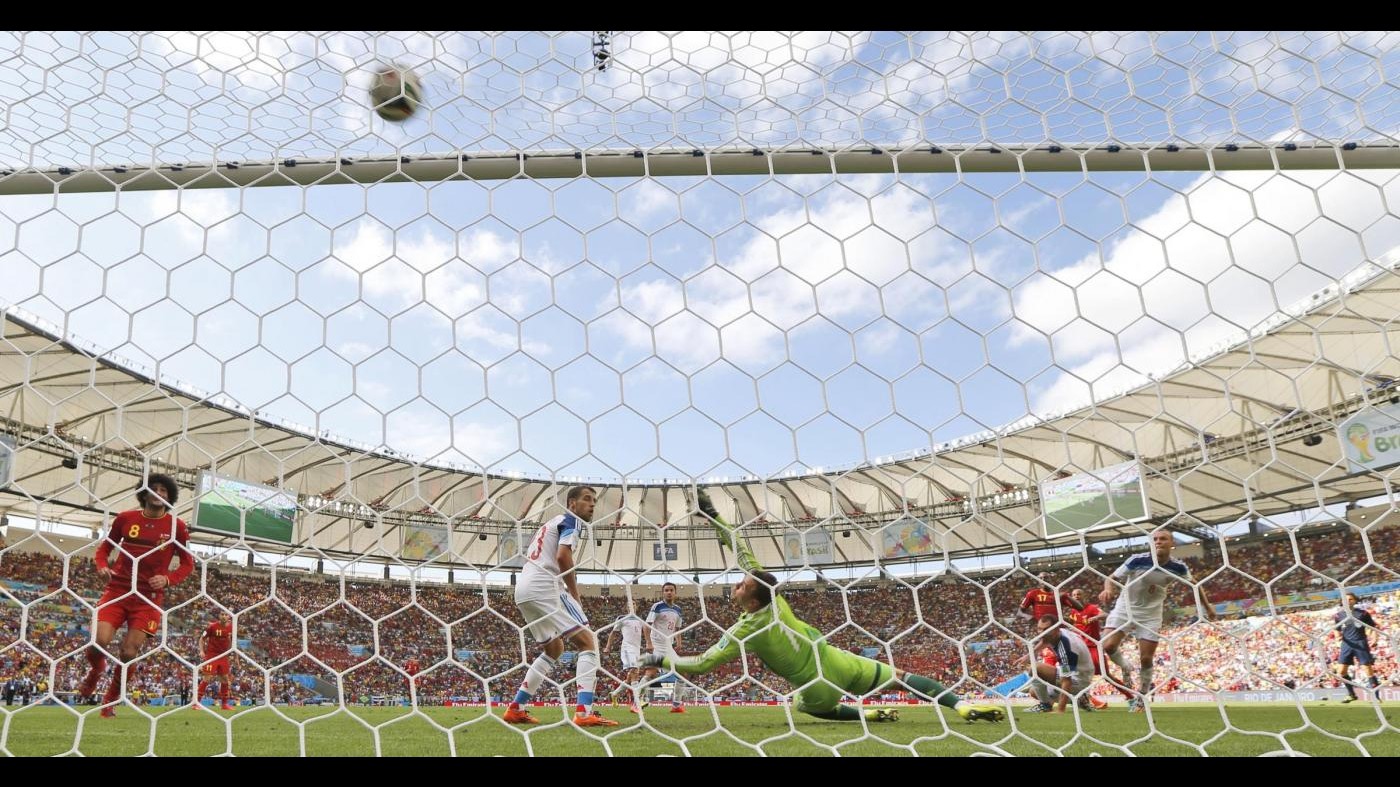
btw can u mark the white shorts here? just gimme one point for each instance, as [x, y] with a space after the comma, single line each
[1141, 625]
[631, 657]
[1079, 680]
[550, 618]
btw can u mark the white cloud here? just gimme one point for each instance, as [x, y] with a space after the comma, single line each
[832, 234]
[419, 266]
[356, 351]
[484, 442]
[490, 91]
[440, 439]
[1202, 266]
[411, 267]
[879, 339]
[1175, 263]
[647, 199]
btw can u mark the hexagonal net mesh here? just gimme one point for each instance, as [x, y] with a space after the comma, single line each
[947, 325]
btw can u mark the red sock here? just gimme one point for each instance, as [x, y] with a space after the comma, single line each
[114, 689]
[223, 692]
[96, 658]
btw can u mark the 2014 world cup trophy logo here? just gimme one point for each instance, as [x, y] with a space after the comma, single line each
[1360, 438]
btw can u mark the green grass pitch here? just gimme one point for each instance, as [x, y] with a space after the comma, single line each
[1327, 729]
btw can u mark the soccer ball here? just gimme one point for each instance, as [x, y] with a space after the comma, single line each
[395, 93]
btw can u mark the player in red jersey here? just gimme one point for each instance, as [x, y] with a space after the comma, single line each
[215, 644]
[1089, 621]
[412, 667]
[144, 541]
[1088, 618]
[1040, 602]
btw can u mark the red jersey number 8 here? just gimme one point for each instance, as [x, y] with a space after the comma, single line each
[539, 544]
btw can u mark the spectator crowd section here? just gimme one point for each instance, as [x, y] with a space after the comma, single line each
[305, 637]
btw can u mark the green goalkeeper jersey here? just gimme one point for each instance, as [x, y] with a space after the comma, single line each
[787, 645]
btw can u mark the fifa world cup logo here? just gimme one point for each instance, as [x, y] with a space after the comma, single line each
[1360, 438]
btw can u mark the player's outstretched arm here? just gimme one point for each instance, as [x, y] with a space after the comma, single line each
[1109, 591]
[727, 534]
[104, 551]
[722, 652]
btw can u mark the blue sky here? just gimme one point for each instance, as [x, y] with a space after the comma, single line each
[837, 320]
[684, 326]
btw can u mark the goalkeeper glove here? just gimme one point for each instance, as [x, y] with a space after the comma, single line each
[702, 499]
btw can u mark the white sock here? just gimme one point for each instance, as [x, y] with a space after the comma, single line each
[1041, 691]
[1117, 658]
[587, 678]
[1145, 681]
[540, 669]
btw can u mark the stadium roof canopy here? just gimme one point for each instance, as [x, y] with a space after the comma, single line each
[1220, 439]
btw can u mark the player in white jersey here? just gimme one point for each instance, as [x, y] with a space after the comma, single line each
[547, 595]
[663, 623]
[1073, 670]
[1146, 579]
[629, 627]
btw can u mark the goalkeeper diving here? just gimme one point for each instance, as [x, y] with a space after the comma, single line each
[797, 651]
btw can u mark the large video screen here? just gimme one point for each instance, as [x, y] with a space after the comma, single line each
[1110, 496]
[227, 505]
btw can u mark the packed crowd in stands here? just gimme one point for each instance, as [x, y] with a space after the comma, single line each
[362, 641]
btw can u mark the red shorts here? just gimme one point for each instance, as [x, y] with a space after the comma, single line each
[218, 666]
[118, 606]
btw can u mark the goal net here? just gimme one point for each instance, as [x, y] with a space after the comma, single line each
[949, 326]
